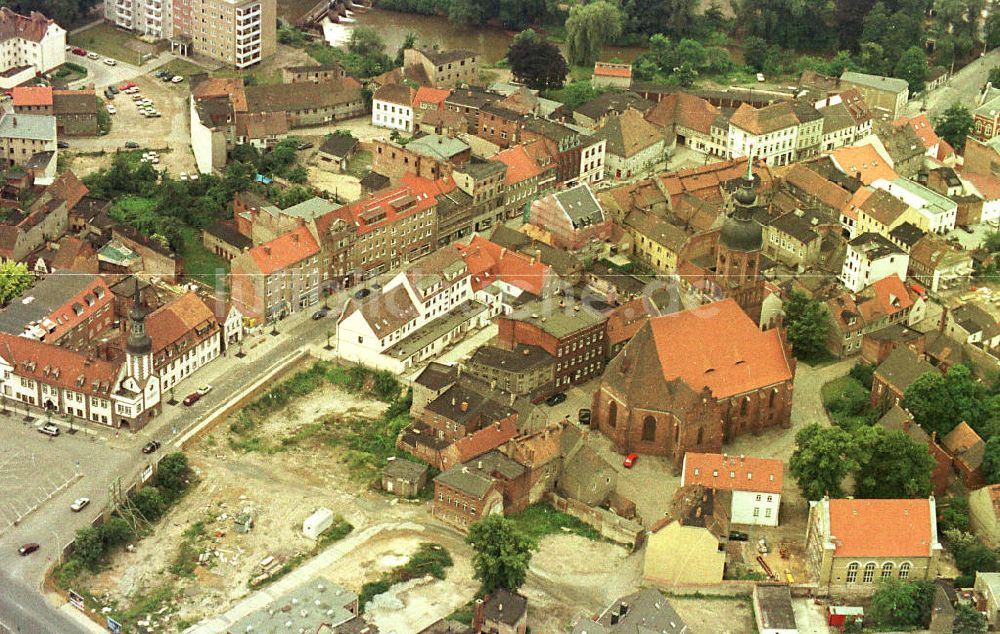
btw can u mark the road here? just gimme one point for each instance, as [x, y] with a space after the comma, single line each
[23, 608]
[963, 87]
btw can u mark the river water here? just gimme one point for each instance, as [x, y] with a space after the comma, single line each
[490, 42]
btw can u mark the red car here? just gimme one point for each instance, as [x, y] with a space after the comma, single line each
[27, 549]
[192, 398]
[127, 85]
[79, 51]
[630, 460]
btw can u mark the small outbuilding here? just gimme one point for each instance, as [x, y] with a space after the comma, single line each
[334, 154]
[317, 523]
[404, 478]
[772, 609]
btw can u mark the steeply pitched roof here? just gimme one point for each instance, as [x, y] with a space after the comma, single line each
[31, 96]
[732, 473]
[30, 27]
[902, 367]
[764, 120]
[56, 365]
[881, 528]
[171, 322]
[628, 134]
[520, 165]
[862, 162]
[398, 94]
[488, 262]
[923, 128]
[964, 444]
[682, 109]
[613, 102]
[718, 346]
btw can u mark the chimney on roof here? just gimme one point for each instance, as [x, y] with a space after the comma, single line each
[267, 249]
[464, 406]
[295, 237]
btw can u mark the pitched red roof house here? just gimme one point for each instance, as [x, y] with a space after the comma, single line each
[284, 251]
[58, 366]
[881, 528]
[427, 98]
[732, 473]
[24, 96]
[488, 262]
[520, 165]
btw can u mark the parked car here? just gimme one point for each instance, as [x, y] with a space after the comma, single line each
[176, 79]
[968, 229]
[112, 109]
[93, 55]
[131, 145]
[62, 145]
[49, 429]
[79, 51]
[362, 293]
[27, 549]
[110, 62]
[305, 145]
[205, 389]
[321, 313]
[192, 398]
[78, 504]
[630, 460]
[584, 416]
[114, 89]
[127, 85]
[555, 399]
[151, 446]
[738, 536]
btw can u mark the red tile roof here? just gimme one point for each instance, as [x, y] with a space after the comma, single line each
[718, 346]
[58, 366]
[604, 69]
[171, 322]
[68, 187]
[626, 320]
[284, 251]
[413, 195]
[881, 528]
[426, 94]
[26, 27]
[889, 296]
[705, 181]
[923, 128]
[486, 439]
[520, 165]
[987, 184]
[488, 262]
[732, 473]
[32, 96]
[862, 162]
[85, 304]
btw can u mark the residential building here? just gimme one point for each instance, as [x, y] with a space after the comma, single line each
[779, 134]
[214, 104]
[29, 140]
[900, 369]
[573, 216]
[504, 279]
[846, 119]
[69, 311]
[522, 181]
[75, 110]
[594, 113]
[645, 609]
[307, 103]
[898, 419]
[970, 323]
[754, 484]
[186, 335]
[880, 212]
[593, 159]
[871, 257]
[610, 75]
[633, 147]
[984, 514]
[932, 143]
[938, 211]
[261, 130]
[851, 316]
[866, 163]
[655, 240]
[885, 96]
[527, 371]
[29, 45]
[334, 154]
[563, 143]
[419, 312]
[772, 609]
[502, 612]
[852, 543]
[392, 107]
[986, 116]
[690, 121]
[987, 587]
[903, 148]
[445, 68]
[316, 73]
[240, 33]
[794, 239]
[966, 449]
[278, 277]
[572, 333]
[939, 265]
[691, 380]
[683, 548]
[467, 493]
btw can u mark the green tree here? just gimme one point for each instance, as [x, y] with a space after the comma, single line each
[807, 325]
[954, 125]
[410, 41]
[758, 54]
[365, 41]
[872, 59]
[501, 553]
[88, 547]
[912, 67]
[976, 557]
[537, 63]
[991, 460]
[149, 503]
[968, 620]
[576, 94]
[864, 373]
[898, 603]
[14, 280]
[954, 515]
[940, 402]
[891, 465]
[991, 29]
[822, 458]
[589, 28]
[115, 532]
[173, 473]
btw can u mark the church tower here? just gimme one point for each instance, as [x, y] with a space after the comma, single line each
[737, 264]
[139, 348]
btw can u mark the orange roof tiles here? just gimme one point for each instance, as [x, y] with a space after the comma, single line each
[881, 528]
[171, 322]
[890, 296]
[284, 251]
[31, 96]
[812, 183]
[520, 165]
[987, 184]
[426, 94]
[719, 347]
[222, 87]
[603, 69]
[863, 162]
[413, 195]
[55, 365]
[69, 188]
[90, 301]
[626, 320]
[857, 200]
[732, 473]
[486, 439]
[923, 128]
[705, 181]
[489, 262]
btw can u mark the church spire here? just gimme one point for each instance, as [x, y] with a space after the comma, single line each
[139, 342]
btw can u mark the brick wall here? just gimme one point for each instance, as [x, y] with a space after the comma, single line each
[618, 529]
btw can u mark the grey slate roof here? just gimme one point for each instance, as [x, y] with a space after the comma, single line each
[799, 227]
[580, 205]
[902, 367]
[890, 84]
[775, 607]
[504, 606]
[38, 127]
[648, 612]
[41, 300]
